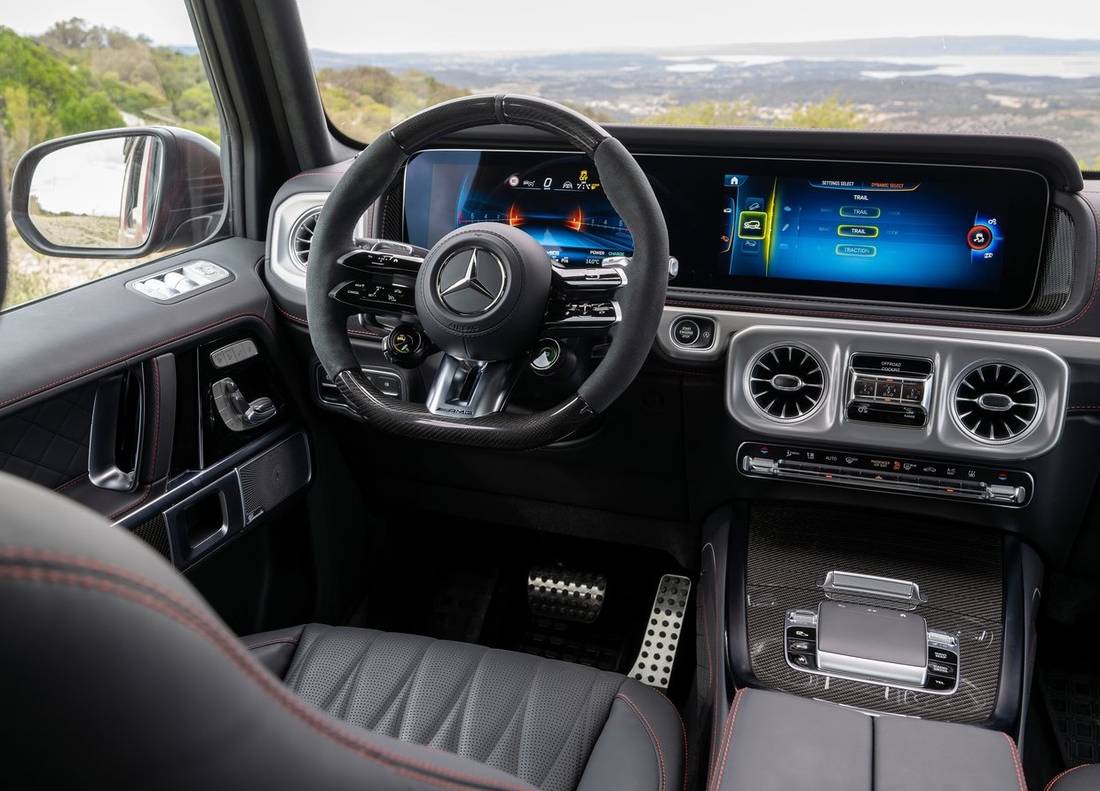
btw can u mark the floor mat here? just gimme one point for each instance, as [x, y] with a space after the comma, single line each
[1073, 703]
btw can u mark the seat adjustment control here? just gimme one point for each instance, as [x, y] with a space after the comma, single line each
[236, 411]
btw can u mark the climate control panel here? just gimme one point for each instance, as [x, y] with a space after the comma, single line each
[947, 479]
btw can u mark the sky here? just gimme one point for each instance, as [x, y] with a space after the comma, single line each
[523, 25]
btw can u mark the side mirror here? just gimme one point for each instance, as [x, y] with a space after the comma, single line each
[119, 193]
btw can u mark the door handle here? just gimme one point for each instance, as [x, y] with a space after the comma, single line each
[117, 431]
[236, 411]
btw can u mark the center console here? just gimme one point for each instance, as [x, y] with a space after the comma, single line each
[878, 612]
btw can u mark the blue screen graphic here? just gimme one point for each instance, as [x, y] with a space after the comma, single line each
[888, 233]
[559, 201]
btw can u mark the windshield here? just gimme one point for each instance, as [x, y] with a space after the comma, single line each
[934, 66]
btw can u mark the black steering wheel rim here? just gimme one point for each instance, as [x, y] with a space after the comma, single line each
[371, 174]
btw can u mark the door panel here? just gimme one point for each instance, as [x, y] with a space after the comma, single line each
[102, 377]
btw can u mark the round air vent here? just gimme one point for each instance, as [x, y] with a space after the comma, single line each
[996, 402]
[787, 382]
[301, 237]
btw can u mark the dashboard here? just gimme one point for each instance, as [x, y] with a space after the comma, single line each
[910, 315]
[960, 237]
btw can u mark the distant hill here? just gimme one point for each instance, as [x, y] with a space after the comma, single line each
[899, 47]
[364, 101]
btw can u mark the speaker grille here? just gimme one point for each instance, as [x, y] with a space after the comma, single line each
[786, 383]
[269, 479]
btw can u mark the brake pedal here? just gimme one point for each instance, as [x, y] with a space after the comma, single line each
[658, 652]
[566, 595]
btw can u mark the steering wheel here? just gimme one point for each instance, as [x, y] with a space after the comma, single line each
[485, 293]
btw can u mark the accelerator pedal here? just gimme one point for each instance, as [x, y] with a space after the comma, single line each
[565, 595]
[666, 619]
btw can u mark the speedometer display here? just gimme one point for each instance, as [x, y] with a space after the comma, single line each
[558, 200]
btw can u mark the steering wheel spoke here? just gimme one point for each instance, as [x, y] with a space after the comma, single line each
[467, 389]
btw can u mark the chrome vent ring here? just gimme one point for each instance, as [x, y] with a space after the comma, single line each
[996, 402]
[301, 237]
[787, 383]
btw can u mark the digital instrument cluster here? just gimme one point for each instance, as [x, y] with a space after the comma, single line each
[963, 237]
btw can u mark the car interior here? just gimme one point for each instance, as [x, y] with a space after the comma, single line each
[472, 459]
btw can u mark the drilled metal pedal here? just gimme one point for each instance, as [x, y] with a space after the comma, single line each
[566, 595]
[666, 619]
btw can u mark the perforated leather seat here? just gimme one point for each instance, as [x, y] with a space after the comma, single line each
[114, 671]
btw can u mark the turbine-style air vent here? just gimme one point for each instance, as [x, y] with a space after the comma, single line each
[301, 237]
[996, 402]
[787, 382]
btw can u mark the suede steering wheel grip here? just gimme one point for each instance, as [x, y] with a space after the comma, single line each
[629, 193]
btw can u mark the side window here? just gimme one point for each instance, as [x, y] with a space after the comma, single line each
[89, 206]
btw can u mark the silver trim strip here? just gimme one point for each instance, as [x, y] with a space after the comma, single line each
[892, 672]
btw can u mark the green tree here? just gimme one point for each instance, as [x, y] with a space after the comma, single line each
[740, 113]
[88, 114]
[24, 123]
[829, 114]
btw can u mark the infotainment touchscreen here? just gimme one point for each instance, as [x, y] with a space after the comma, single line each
[887, 232]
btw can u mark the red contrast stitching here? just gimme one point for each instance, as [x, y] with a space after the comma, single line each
[1016, 762]
[719, 769]
[131, 507]
[1060, 775]
[70, 484]
[683, 732]
[70, 377]
[652, 737]
[304, 323]
[185, 615]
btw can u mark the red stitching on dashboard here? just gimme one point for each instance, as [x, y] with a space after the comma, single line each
[73, 376]
[304, 323]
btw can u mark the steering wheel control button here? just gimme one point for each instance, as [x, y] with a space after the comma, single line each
[547, 356]
[979, 237]
[371, 295]
[692, 332]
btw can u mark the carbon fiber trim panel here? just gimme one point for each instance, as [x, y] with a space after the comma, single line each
[790, 550]
[154, 532]
[1056, 278]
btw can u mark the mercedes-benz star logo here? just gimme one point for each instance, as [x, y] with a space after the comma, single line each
[471, 281]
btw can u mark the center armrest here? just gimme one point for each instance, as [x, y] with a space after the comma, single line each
[776, 742]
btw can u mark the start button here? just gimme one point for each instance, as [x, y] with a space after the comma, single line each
[692, 332]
